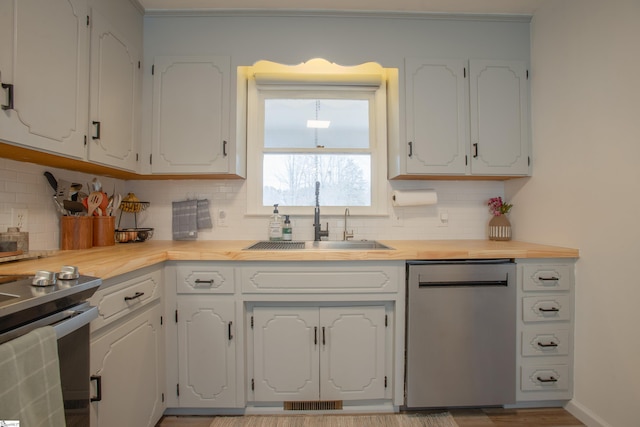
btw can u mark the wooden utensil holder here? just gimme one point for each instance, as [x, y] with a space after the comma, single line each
[104, 228]
[76, 232]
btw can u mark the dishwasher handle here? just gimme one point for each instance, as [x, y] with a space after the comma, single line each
[463, 283]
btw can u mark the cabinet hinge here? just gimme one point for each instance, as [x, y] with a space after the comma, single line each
[386, 320]
[253, 384]
[88, 20]
[251, 322]
[162, 397]
[176, 316]
[153, 69]
[385, 381]
[178, 389]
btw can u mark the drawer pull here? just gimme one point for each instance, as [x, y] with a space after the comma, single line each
[549, 310]
[315, 335]
[547, 380]
[324, 341]
[549, 344]
[230, 335]
[209, 282]
[548, 279]
[135, 296]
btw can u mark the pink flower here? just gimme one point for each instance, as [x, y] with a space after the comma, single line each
[497, 207]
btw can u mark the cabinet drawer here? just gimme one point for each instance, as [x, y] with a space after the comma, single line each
[121, 299]
[546, 378]
[322, 277]
[546, 308]
[204, 279]
[547, 277]
[545, 343]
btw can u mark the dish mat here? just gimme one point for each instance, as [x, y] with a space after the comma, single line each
[30, 388]
[203, 217]
[185, 220]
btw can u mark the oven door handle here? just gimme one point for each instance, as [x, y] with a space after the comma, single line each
[79, 318]
[64, 322]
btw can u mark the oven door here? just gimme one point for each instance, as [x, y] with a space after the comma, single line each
[72, 329]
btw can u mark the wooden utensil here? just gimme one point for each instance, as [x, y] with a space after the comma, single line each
[93, 202]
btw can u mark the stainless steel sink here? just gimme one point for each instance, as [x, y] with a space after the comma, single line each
[332, 245]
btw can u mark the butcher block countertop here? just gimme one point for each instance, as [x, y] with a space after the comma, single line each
[110, 261]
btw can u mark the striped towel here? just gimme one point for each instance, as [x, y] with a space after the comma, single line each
[30, 389]
[185, 220]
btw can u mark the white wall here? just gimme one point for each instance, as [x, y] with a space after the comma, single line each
[586, 186]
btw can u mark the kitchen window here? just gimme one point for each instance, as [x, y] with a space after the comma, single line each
[316, 122]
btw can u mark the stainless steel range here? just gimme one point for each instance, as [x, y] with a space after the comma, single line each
[57, 299]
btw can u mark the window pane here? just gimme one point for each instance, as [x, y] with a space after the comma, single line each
[286, 123]
[289, 179]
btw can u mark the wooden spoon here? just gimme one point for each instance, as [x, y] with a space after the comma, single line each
[93, 202]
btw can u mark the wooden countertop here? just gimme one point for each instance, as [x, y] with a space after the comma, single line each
[110, 261]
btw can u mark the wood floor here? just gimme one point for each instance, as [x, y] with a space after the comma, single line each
[547, 417]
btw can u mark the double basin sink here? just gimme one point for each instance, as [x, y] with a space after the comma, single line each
[335, 245]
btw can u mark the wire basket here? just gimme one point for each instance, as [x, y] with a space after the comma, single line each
[133, 207]
[133, 235]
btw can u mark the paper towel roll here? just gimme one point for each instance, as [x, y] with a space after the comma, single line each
[414, 198]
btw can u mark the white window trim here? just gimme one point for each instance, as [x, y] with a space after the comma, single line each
[298, 78]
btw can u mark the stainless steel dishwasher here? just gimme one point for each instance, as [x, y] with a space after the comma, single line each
[461, 333]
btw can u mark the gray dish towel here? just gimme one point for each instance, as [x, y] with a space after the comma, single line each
[203, 217]
[185, 220]
[30, 389]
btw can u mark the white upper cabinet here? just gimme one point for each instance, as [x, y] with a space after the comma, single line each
[190, 124]
[115, 96]
[464, 121]
[436, 117]
[44, 74]
[499, 96]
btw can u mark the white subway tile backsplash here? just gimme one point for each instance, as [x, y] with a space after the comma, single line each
[22, 185]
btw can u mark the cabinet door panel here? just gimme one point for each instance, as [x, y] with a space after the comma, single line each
[286, 348]
[50, 108]
[128, 359]
[499, 101]
[206, 352]
[190, 114]
[437, 129]
[353, 353]
[114, 96]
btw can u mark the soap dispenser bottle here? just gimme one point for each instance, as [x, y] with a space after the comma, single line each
[275, 225]
[287, 232]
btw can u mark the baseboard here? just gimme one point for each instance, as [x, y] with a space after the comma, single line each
[585, 415]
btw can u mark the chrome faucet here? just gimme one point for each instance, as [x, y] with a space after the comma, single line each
[319, 233]
[346, 235]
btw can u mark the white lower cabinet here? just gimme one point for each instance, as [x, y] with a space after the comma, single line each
[127, 357]
[206, 352]
[306, 353]
[545, 330]
[202, 344]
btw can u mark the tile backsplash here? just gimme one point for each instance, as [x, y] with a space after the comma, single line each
[23, 186]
